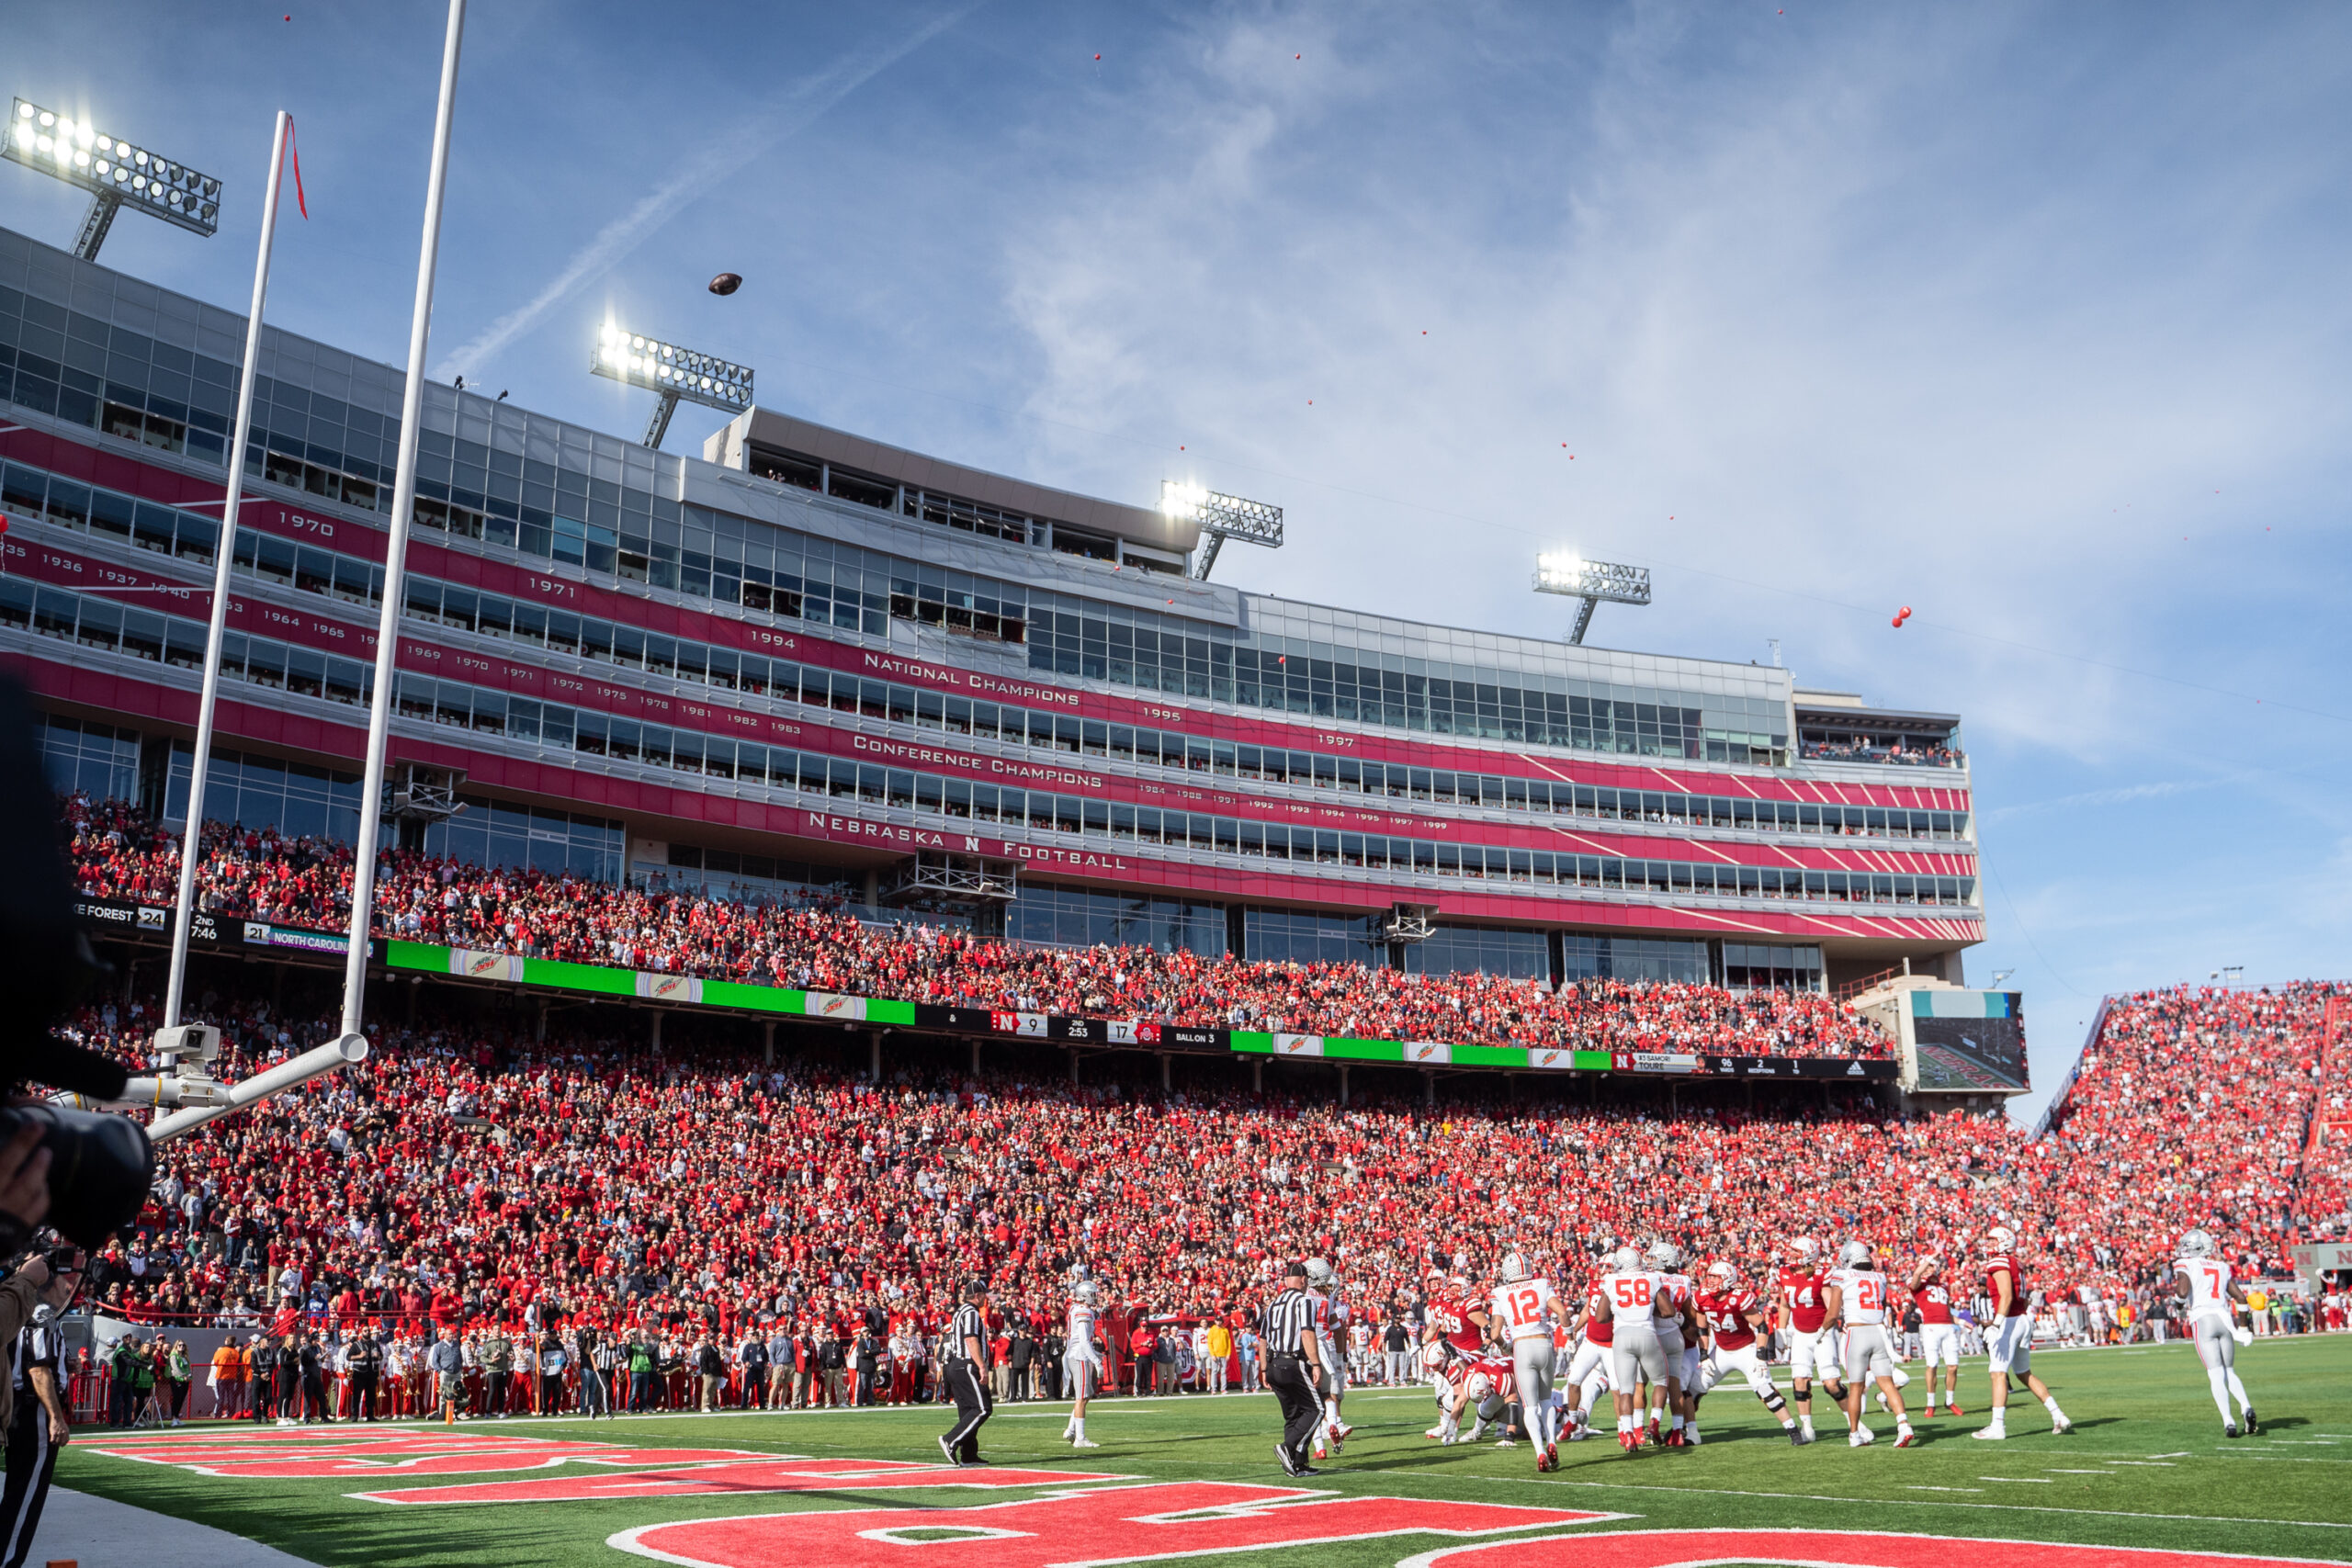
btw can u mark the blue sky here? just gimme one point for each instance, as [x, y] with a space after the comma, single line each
[2032, 319]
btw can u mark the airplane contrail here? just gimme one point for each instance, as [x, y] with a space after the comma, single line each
[806, 102]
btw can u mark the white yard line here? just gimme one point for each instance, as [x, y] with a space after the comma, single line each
[2027, 1480]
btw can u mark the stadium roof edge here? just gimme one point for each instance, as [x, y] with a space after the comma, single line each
[730, 445]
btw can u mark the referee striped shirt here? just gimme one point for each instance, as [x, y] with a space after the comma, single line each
[1287, 1320]
[967, 1325]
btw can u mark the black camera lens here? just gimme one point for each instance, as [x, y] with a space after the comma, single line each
[100, 1167]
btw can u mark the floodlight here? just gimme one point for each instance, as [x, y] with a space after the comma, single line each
[115, 172]
[1561, 571]
[679, 375]
[1221, 517]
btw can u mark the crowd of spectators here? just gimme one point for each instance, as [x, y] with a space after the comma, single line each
[121, 854]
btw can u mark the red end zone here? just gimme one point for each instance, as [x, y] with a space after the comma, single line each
[1122, 1524]
[768, 1474]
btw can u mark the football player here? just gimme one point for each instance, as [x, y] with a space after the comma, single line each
[1855, 1297]
[1938, 1334]
[1522, 1307]
[1801, 1317]
[1331, 1315]
[1734, 1319]
[1081, 1360]
[2008, 1338]
[2214, 1293]
[1679, 1339]
[1629, 1298]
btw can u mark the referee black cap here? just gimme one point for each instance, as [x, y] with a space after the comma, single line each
[1294, 1269]
[975, 1287]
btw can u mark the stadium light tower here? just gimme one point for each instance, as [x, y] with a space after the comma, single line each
[1221, 517]
[679, 375]
[115, 172]
[1591, 580]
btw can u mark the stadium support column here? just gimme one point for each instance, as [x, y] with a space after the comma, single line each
[1343, 1086]
[539, 1024]
[873, 1038]
[657, 1031]
[1429, 1088]
[1163, 1072]
[1256, 1075]
[768, 1042]
[976, 1056]
[1073, 1066]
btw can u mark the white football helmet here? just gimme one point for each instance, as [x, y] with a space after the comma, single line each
[1459, 1283]
[1319, 1275]
[1663, 1255]
[1514, 1267]
[1086, 1292]
[1722, 1273]
[1854, 1254]
[1803, 1249]
[1626, 1260]
[2197, 1243]
[2000, 1239]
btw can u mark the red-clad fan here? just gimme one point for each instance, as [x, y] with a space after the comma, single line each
[1734, 1317]
[1802, 1312]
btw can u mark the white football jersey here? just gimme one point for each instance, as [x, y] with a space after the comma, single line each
[1080, 1340]
[2209, 1285]
[1524, 1310]
[1628, 1299]
[1861, 1294]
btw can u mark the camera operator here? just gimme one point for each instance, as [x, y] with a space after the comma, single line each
[41, 1423]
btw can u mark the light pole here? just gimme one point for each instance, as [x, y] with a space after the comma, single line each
[1221, 517]
[679, 375]
[115, 172]
[1592, 581]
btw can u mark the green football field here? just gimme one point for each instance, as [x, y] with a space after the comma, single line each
[2146, 1468]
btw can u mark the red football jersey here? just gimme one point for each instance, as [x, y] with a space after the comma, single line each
[1726, 1313]
[1801, 1294]
[1599, 1327]
[1935, 1302]
[1453, 1321]
[1996, 1267]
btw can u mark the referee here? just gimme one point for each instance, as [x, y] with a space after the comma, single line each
[1293, 1368]
[40, 1424]
[966, 1367]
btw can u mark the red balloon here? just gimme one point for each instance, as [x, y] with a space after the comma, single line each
[1897, 623]
[1906, 611]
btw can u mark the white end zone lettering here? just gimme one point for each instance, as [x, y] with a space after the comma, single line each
[1082, 1529]
[1812, 1549]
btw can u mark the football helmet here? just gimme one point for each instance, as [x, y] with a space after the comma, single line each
[2000, 1239]
[1722, 1273]
[1854, 1254]
[1803, 1249]
[1319, 1275]
[2197, 1243]
[1514, 1267]
[1663, 1255]
[1626, 1260]
[1086, 1292]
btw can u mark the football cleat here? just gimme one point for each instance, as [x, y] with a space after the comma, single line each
[1656, 1438]
[1435, 1434]
[1990, 1434]
[1691, 1436]
[1905, 1437]
[1580, 1434]
[1675, 1439]
[948, 1450]
[1505, 1442]
[1798, 1438]
[1552, 1454]
[1955, 1409]
[1861, 1438]
[1084, 1443]
[1341, 1431]
[2231, 1430]
[2252, 1426]
[2060, 1427]
[1630, 1442]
